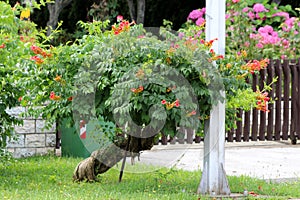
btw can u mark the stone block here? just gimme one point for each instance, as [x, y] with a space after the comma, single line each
[50, 140]
[45, 151]
[57, 152]
[16, 111]
[40, 127]
[11, 150]
[18, 142]
[35, 140]
[24, 152]
[28, 127]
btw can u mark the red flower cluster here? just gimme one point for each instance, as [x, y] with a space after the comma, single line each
[256, 65]
[2, 46]
[37, 60]
[54, 97]
[123, 25]
[212, 53]
[27, 39]
[262, 101]
[191, 113]
[57, 78]
[137, 90]
[208, 43]
[214, 56]
[38, 51]
[170, 105]
[169, 89]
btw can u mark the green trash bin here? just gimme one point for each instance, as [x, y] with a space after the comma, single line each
[83, 142]
[71, 143]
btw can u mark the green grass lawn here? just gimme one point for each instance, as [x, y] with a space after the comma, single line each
[51, 178]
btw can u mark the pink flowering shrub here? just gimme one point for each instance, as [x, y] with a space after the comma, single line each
[266, 35]
[262, 29]
[258, 7]
[197, 16]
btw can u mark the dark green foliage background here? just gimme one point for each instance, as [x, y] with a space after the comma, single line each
[156, 10]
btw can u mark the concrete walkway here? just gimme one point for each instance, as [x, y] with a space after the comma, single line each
[264, 160]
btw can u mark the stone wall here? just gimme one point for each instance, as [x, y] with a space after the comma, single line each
[32, 137]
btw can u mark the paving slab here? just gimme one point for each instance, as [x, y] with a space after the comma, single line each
[265, 160]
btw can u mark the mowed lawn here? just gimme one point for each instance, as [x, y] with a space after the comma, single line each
[50, 177]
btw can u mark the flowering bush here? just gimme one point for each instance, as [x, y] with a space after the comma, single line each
[264, 30]
[12, 51]
[127, 75]
[21, 55]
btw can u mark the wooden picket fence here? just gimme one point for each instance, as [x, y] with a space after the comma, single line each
[283, 120]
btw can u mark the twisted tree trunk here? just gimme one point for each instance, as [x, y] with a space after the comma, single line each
[103, 159]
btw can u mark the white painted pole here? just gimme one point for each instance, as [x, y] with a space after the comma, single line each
[214, 180]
